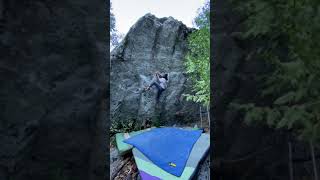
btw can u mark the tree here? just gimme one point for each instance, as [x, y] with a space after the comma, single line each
[294, 84]
[115, 36]
[112, 20]
[198, 58]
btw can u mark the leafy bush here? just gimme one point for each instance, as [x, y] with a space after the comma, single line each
[198, 58]
[123, 126]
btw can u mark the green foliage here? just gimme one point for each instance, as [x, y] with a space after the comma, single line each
[115, 36]
[156, 120]
[294, 85]
[112, 20]
[203, 18]
[198, 58]
[123, 126]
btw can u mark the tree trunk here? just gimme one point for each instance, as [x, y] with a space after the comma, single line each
[200, 117]
[208, 112]
[315, 170]
[290, 161]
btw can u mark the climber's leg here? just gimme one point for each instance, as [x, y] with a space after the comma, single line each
[156, 84]
[159, 93]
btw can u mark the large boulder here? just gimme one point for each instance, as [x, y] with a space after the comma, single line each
[152, 44]
[53, 87]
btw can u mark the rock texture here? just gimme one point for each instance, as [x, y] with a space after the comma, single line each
[241, 151]
[52, 92]
[152, 44]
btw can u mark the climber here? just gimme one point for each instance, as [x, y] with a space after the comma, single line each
[160, 82]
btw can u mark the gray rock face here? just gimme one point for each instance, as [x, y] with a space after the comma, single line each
[53, 87]
[152, 44]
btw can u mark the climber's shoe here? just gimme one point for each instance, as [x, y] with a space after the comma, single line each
[147, 88]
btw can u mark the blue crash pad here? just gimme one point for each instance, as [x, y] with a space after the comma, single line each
[168, 148]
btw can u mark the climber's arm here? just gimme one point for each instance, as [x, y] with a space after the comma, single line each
[155, 79]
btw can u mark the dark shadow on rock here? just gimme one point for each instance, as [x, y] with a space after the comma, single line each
[53, 90]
